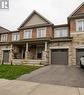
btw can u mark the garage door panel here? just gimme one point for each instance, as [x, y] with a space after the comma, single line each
[6, 56]
[60, 57]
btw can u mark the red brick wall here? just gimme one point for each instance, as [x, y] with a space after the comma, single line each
[81, 10]
[34, 33]
[9, 37]
[72, 25]
[49, 33]
[72, 22]
[21, 33]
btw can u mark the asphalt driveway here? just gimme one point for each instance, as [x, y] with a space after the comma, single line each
[57, 75]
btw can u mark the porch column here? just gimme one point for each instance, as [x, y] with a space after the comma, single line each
[11, 54]
[45, 46]
[27, 52]
[26, 47]
[45, 53]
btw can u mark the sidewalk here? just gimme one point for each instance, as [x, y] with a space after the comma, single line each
[15, 87]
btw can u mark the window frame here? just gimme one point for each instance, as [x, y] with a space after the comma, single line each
[82, 21]
[41, 32]
[15, 36]
[60, 32]
[4, 37]
[26, 32]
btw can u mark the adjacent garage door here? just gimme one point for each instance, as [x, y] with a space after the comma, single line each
[5, 56]
[59, 56]
[79, 53]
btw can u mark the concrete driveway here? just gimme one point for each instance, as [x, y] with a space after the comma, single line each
[57, 75]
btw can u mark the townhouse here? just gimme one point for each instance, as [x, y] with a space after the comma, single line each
[39, 41]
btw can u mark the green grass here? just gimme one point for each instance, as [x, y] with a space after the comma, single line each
[14, 71]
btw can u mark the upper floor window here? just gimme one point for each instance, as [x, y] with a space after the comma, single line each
[61, 32]
[4, 37]
[28, 33]
[80, 25]
[15, 36]
[41, 32]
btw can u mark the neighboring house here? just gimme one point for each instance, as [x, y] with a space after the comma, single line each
[39, 41]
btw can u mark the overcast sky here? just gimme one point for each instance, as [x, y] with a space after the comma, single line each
[56, 11]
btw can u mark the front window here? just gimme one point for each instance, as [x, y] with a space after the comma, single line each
[15, 36]
[41, 32]
[61, 32]
[28, 33]
[80, 25]
[4, 37]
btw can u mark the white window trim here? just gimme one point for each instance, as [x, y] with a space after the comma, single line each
[27, 37]
[44, 35]
[14, 38]
[2, 38]
[77, 25]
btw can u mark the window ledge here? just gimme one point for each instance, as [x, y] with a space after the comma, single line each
[62, 39]
[76, 32]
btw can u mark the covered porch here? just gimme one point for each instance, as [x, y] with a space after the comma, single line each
[30, 53]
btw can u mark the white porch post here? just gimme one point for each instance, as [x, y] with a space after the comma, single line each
[27, 47]
[44, 57]
[11, 54]
[45, 46]
[27, 52]
[45, 53]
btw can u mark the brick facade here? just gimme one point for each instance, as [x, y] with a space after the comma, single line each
[72, 26]
[77, 38]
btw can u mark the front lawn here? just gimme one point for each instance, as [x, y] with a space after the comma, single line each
[14, 71]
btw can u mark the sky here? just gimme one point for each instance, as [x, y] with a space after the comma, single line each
[55, 11]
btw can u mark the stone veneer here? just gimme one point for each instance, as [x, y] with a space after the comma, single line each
[77, 42]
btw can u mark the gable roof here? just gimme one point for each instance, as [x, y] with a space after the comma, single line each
[3, 30]
[76, 10]
[30, 16]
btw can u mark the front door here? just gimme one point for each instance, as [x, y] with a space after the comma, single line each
[5, 56]
[39, 52]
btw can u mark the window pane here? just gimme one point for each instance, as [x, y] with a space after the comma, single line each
[28, 33]
[41, 32]
[57, 33]
[4, 37]
[80, 25]
[15, 36]
[64, 33]
[61, 32]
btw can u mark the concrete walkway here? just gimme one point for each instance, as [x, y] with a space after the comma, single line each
[16, 87]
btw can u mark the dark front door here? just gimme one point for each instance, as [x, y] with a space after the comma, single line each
[79, 54]
[5, 56]
[39, 52]
[59, 56]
